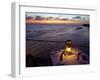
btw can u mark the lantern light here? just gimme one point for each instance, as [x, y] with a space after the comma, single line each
[68, 48]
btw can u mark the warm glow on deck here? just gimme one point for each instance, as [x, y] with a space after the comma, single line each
[69, 59]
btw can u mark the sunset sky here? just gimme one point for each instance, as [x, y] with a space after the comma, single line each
[56, 18]
[56, 15]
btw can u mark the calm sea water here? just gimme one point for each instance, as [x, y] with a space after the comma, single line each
[57, 31]
[77, 33]
[38, 35]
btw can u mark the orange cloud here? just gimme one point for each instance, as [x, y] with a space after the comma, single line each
[31, 21]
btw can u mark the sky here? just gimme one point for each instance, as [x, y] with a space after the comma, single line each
[59, 15]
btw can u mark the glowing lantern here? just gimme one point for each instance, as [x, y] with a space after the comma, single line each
[68, 48]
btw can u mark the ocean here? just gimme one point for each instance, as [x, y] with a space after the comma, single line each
[41, 39]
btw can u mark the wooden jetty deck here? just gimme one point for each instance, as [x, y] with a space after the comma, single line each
[78, 57]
